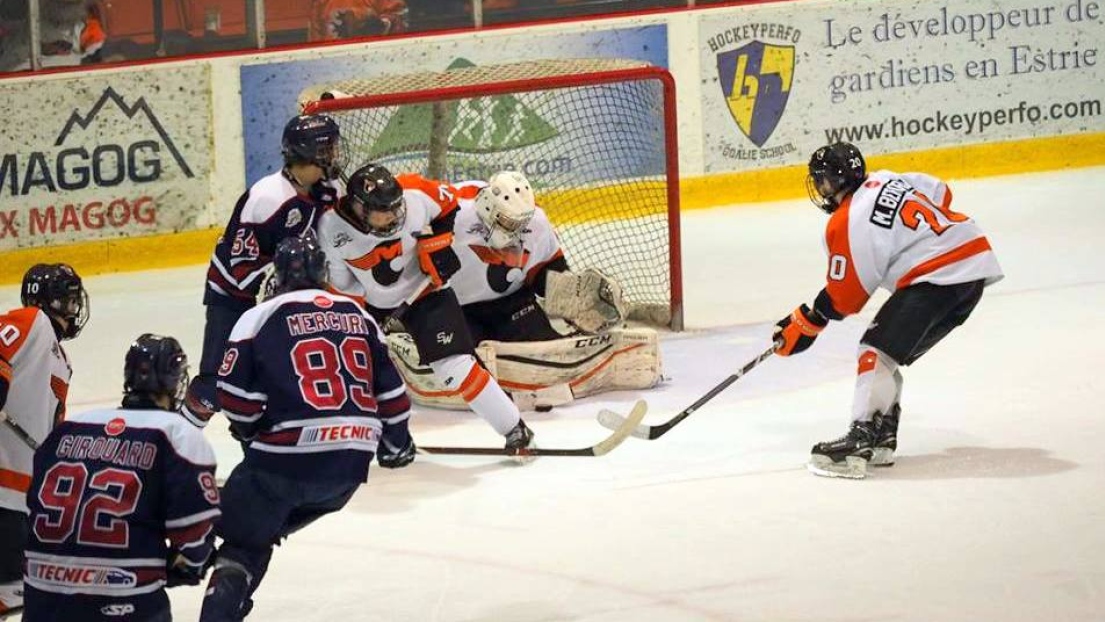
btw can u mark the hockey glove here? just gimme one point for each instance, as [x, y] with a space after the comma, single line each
[179, 572]
[396, 460]
[796, 332]
[436, 256]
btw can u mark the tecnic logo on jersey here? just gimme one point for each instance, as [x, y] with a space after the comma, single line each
[72, 575]
[756, 80]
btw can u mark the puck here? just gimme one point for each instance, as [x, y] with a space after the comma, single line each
[543, 408]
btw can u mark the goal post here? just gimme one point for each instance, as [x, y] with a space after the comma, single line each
[595, 136]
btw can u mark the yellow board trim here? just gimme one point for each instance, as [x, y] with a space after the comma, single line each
[963, 162]
[774, 184]
[148, 252]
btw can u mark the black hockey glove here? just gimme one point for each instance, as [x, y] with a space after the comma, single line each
[436, 256]
[178, 572]
[796, 332]
[396, 460]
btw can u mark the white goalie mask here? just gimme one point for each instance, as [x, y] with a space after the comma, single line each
[505, 207]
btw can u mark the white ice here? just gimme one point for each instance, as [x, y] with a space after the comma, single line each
[995, 510]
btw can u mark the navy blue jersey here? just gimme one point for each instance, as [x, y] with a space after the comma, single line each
[306, 379]
[115, 493]
[270, 211]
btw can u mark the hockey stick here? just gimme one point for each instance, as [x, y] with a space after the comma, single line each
[393, 320]
[19, 431]
[601, 448]
[652, 432]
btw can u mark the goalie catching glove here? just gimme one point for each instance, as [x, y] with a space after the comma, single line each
[589, 300]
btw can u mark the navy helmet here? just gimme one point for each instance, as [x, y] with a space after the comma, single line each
[313, 139]
[834, 169]
[57, 290]
[299, 263]
[155, 366]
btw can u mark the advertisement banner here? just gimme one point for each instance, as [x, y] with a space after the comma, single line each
[270, 91]
[103, 157]
[897, 75]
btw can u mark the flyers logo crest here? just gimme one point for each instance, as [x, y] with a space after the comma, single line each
[384, 252]
[756, 80]
[377, 261]
[499, 264]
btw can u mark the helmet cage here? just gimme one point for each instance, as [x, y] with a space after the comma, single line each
[505, 206]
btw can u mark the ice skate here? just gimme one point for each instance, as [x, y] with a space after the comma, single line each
[886, 437]
[846, 456]
[520, 439]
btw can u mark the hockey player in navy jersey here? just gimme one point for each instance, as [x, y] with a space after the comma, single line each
[284, 204]
[122, 501]
[307, 382]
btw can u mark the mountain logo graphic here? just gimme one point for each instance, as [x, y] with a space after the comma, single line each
[109, 96]
[756, 80]
[479, 125]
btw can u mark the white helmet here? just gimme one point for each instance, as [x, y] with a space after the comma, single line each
[505, 207]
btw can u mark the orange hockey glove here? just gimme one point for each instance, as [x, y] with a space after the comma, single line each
[796, 332]
[436, 256]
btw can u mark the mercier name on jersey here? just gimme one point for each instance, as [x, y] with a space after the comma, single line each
[307, 381]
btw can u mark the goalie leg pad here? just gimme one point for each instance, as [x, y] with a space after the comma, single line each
[586, 365]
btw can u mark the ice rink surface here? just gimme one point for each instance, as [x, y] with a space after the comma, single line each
[995, 510]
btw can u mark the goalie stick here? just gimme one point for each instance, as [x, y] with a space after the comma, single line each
[601, 448]
[19, 431]
[613, 420]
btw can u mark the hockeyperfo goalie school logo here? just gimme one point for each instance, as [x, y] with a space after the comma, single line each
[756, 80]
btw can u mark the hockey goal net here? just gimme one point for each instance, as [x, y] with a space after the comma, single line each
[595, 137]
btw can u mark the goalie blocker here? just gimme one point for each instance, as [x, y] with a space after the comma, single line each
[541, 374]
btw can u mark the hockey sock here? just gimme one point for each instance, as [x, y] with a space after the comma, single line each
[878, 384]
[482, 393]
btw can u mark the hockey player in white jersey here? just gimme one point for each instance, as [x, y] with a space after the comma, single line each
[510, 256]
[390, 239]
[34, 381]
[898, 232]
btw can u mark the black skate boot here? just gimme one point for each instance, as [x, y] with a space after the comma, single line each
[886, 437]
[520, 439]
[847, 456]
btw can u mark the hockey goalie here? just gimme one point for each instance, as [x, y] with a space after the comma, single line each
[510, 258]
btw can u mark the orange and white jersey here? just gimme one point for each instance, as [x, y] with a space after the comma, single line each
[897, 230]
[38, 371]
[487, 273]
[383, 270]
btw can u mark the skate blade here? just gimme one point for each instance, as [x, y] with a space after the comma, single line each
[882, 457]
[851, 468]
